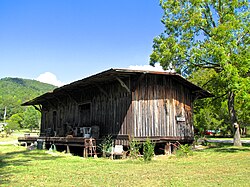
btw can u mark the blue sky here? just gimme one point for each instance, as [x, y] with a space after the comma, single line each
[73, 39]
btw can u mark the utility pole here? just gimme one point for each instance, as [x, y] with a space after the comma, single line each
[4, 116]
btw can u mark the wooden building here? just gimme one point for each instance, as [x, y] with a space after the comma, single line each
[124, 103]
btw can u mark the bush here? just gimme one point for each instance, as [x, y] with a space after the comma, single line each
[106, 145]
[148, 150]
[134, 148]
[184, 151]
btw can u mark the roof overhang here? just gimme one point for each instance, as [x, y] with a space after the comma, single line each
[111, 75]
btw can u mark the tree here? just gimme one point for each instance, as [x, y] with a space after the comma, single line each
[15, 121]
[210, 113]
[15, 91]
[31, 118]
[209, 34]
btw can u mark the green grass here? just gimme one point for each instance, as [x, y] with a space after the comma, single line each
[219, 166]
[13, 136]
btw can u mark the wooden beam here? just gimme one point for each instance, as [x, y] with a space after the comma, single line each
[102, 90]
[58, 100]
[123, 84]
[51, 104]
[39, 109]
[70, 96]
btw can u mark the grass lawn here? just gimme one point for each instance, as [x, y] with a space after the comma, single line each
[218, 166]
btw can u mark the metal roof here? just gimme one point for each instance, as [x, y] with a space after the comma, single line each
[110, 75]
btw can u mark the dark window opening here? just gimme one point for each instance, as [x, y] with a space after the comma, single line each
[84, 114]
[84, 107]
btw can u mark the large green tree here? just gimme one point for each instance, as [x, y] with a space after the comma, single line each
[208, 34]
[211, 113]
[31, 118]
[15, 121]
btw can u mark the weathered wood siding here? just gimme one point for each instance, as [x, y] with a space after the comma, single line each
[149, 110]
[109, 111]
[157, 101]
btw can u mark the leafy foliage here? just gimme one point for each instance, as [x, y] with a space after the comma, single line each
[31, 118]
[148, 150]
[15, 122]
[210, 36]
[212, 113]
[134, 148]
[184, 151]
[106, 145]
[15, 91]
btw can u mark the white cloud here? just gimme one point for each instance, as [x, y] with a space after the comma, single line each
[157, 67]
[49, 78]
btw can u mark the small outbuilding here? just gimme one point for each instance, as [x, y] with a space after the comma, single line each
[123, 103]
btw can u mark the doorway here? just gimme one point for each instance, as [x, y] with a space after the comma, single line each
[84, 114]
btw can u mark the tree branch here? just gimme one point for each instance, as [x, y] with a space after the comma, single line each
[210, 15]
[207, 82]
[240, 38]
[205, 31]
[207, 66]
[220, 96]
[206, 63]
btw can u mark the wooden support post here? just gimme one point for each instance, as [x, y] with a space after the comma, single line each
[167, 148]
[85, 152]
[174, 149]
[68, 150]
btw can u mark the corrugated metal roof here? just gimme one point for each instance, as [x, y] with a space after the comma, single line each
[110, 75]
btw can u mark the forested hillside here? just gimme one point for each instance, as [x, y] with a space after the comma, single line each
[14, 91]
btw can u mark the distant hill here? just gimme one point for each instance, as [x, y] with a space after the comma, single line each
[14, 91]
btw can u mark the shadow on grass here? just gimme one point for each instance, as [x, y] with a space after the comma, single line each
[14, 159]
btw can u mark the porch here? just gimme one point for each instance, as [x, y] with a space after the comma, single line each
[87, 145]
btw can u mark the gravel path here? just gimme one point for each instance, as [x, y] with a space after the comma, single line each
[228, 141]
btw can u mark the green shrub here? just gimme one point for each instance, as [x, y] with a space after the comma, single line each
[106, 145]
[184, 151]
[134, 148]
[148, 150]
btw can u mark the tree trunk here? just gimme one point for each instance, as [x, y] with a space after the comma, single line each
[233, 119]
